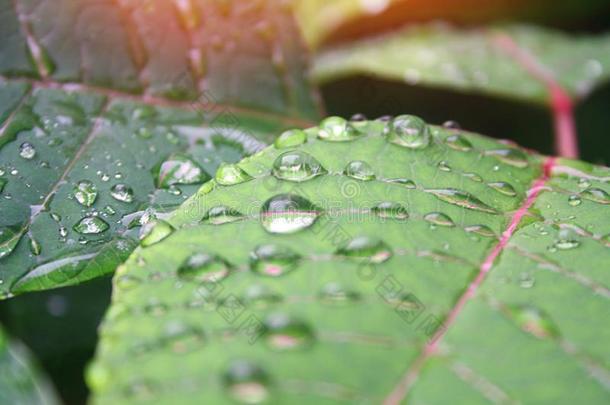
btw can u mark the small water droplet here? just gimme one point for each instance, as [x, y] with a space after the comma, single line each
[204, 267]
[410, 184]
[9, 237]
[283, 332]
[513, 157]
[390, 210]
[179, 169]
[273, 260]
[260, 296]
[335, 293]
[246, 382]
[574, 200]
[443, 166]
[297, 166]
[359, 122]
[461, 199]
[584, 183]
[91, 225]
[566, 244]
[503, 187]
[35, 247]
[221, 214]
[596, 194]
[473, 177]
[288, 213]
[230, 174]
[408, 131]
[364, 247]
[85, 192]
[359, 170]
[439, 219]
[3, 183]
[122, 192]
[452, 125]
[337, 129]
[155, 231]
[27, 150]
[290, 139]
[182, 338]
[534, 322]
[482, 230]
[458, 142]
[526, 280]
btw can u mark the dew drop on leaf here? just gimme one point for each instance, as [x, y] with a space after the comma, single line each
[91, 225]
[35, 247]
[27, 150]
[461, 199]
[596, 194]
[230, 174]
[534, 322]
[503, 187]
[337, 129]
[155, 231]
[510, 156]
[574, 200]
[9, 237]
[182, 338]
[85, 192]
[359, 170]
[122, 192]
[408, 131]
[283, 332]
[458, 142]
[202, 267]
[439, 219]
[246, 382]
[288, 213]
[482, 230]
[443, 166]
[390, 210]
[410, 184]
[335, 293]
[221, 214]
[179, 169]
[273, 260]
[260, 296]
[290, 138]
[297, 166]
[364, 247]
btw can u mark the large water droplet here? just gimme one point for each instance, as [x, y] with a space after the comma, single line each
[335, 293]
[155, 231]
[230, 174]
[458, 142]
[288, 213]
[390, 210]
[202, 267]
[534, 322]
[85, 192]
[221, 214]
[503, 187]
[122, 192]
[247, 382]
[596, 194]
[9, 237]
[290, 139]
[513, 157]
[91, 225]
[461, 199]
[273, 260]
[337, 129]
[359, 170]
[27, 150]
[283, 332]
[364, 247]
[297, 166]
[408, 131]
[440, 219]
[179, 169]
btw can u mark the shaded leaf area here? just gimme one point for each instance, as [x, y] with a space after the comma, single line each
[327, 22]
[20, 380]
[323, 275]
[175, 49]
[80, 172]
[519, 62]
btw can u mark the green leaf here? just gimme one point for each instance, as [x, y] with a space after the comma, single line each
[373, 261]
[20, 380]
[513, 61]
[103, 115]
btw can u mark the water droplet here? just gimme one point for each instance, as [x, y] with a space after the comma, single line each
[503, 187]
[179, 169]
[297, 166]
[85, 192]
[410, 184]
[359, 170]
[461, 199]
[273, 260]
[482, 230]
[2, 184]
[574, 200]
[288, 213]
[584, 183]
[359, 122]
[27, 150]
[202, 267]
[534, 322]
[246, 382]
[335, 293]
[144, 112]
[91, 225]
[290, 139]
[9, 237]
[452, 125]
[337, 129]
[390, 210]
[526, 280]
[282, 332]
[122, 192]
[155, 231]
[458, 142]
[230, 174]
[566, 244]
[408, 131]
[473, 177]
[182, 338]
[260, 296]
[364, 247]
[513, 157]
[440, 219]
[221, 214]
[35, 247]
[443, 166]
[108, 210]
[596, 194]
